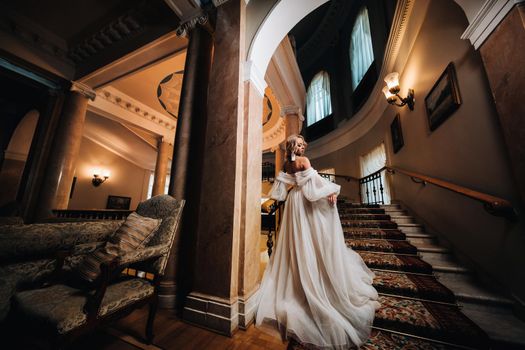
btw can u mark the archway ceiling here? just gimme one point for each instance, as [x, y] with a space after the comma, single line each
[319, 30]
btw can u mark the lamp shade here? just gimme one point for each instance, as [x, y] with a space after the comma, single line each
[392, 81]
[389, 96]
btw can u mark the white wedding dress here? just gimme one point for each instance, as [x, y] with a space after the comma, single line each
[314, 288]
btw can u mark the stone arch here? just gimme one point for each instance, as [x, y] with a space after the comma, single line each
[279, 21]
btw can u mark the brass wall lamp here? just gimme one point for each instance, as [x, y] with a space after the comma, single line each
[99, 177]
[391, 91]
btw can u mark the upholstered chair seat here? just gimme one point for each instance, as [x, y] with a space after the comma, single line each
[69, 307]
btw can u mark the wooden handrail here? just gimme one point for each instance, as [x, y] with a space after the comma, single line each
[494, 205]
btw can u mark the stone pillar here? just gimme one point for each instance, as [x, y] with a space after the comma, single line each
[186, 166]
[293, 119]
[279, 159]
[159, 181]
[60, 167]
[226, 255]
[506, 74]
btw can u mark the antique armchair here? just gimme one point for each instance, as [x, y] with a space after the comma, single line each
[66, 312]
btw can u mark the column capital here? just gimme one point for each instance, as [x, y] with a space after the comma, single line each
[188, 25]
[292, 110]
[83, 89]
[254, 75]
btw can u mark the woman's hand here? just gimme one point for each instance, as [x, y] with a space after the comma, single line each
[332, 199]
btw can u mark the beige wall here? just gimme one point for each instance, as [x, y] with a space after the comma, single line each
[467, 149]
[127, 179]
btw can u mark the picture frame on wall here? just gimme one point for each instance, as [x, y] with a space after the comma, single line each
[118, 202]
[397, 134]
[443, 99]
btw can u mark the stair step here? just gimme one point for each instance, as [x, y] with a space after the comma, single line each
[395, 212]
[411, 228]
[369, 224]
[468, 289]
[430, 249]
[450, 269]
[391, 207]
[499, 323]
[401, 219]
[439, 259]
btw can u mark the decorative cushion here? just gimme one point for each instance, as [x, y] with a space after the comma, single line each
[61, 306]
[134, 234]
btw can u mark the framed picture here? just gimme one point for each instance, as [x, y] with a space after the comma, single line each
[397, 134]
[443, 99]
[118, 202]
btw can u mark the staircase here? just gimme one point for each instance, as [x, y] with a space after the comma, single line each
[428, 300]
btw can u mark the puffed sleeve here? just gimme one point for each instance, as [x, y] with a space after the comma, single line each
[314, 186]
[279, 189]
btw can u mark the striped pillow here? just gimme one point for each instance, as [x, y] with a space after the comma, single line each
[133, 234]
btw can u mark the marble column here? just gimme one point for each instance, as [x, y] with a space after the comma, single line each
[186, 166]
[279, 158]
[293, 119]
[159, 181]
[226, 255]
[506, 74]
[61, 163]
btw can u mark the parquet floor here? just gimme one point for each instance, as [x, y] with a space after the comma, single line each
[172, 333]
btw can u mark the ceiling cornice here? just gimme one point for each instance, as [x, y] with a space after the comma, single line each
[114, 104]
[489, 16]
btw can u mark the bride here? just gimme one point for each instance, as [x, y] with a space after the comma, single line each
[315, 289]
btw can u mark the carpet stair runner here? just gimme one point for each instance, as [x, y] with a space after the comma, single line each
[417, 311]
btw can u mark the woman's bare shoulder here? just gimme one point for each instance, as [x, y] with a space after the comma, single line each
[304, 162]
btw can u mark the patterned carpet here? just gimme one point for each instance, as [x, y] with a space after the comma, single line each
[417, 312]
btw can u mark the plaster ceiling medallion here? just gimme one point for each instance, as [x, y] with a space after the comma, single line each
[267, 109]
[168, 92]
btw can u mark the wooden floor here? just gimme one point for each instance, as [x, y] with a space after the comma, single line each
[172, 333]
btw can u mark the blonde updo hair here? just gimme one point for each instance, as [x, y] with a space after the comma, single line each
[291, 145]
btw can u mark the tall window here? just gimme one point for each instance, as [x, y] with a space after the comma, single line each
[361, 52]
[318, 104]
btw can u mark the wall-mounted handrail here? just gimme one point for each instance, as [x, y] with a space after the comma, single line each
[494, 205]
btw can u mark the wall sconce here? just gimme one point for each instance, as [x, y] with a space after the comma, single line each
[391, 91]
[98, 178]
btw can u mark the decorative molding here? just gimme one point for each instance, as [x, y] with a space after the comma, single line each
[211, 312]
[284, 76]
[187, 26]
[84, 90]
[114, 104]
[252, 74]
[274, 136]
[168, 92]
[122, 100]
[490, 15]
[291, 109]
[123, 27]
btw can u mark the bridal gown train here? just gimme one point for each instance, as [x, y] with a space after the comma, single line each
[314, 288]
